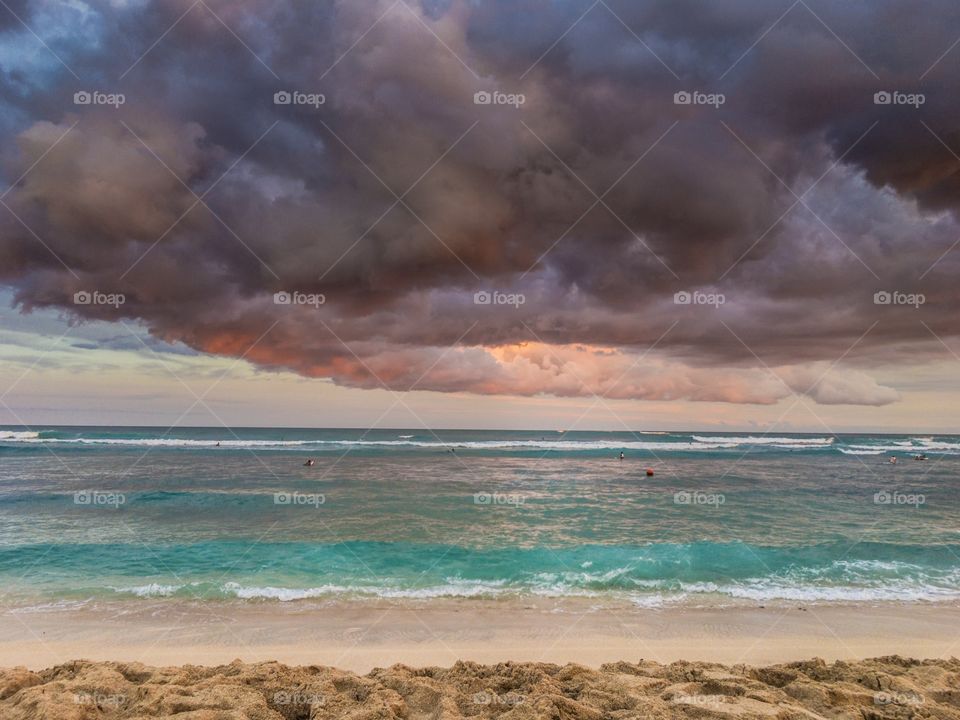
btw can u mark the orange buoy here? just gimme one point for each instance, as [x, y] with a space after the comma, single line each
[649, 472]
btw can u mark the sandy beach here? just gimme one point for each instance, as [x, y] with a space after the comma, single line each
[361, 636]
[882, 688]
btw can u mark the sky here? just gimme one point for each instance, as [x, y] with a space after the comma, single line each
[552, 215]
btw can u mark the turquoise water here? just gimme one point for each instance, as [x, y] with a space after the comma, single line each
[88, 514]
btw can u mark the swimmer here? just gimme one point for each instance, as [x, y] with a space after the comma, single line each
[893, 460]
[621, 454]
[310, 463]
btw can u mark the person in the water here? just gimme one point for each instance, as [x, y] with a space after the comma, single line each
[310, 463]
[621, 454]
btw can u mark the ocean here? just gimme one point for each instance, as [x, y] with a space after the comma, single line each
[134, 515]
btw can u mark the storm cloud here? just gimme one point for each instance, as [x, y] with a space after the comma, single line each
[686, 200]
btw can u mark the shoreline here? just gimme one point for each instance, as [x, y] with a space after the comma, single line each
[360, 637]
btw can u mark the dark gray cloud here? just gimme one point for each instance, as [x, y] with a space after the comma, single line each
[598, 199]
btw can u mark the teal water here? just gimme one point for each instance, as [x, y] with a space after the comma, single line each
[89, 514]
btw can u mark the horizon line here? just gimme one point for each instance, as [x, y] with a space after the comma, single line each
[35, 426]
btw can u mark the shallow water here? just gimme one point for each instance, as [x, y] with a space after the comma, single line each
[101, 513]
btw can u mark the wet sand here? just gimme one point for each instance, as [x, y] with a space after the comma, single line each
[359, 637]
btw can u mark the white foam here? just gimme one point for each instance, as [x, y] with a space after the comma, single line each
[764, 440]
[535, 445]
[453, 588]
[161, 442]
[899, 592]
[149, 590]
[18, 434]
[917, 445]
[282, 594]
[53, 606]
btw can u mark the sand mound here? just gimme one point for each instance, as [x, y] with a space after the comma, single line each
[889, 687]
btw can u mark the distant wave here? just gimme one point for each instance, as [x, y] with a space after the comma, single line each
[406, 441]
[18, 435]
[913, 445]
[664, 442]
[165, 442]
[567, 445]
[764, 440]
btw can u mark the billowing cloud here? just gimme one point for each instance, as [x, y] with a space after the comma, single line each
[730, 251]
